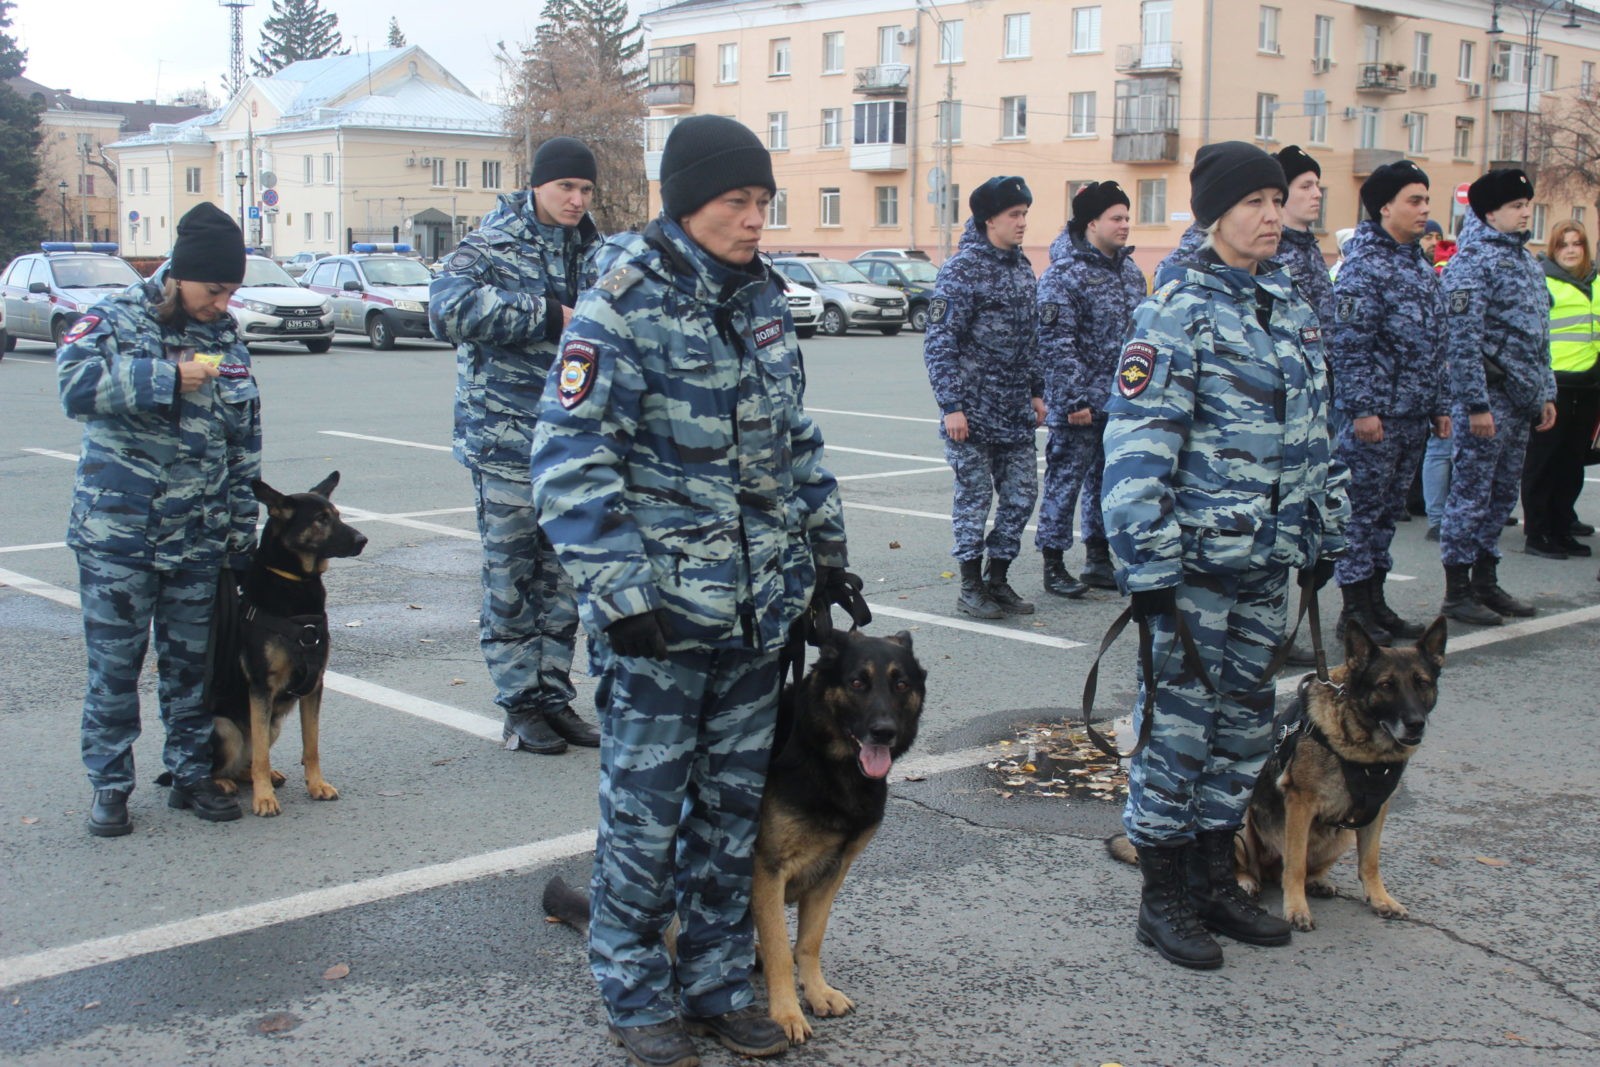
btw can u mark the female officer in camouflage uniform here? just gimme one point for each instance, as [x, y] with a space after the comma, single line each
[1219, 480]
[171, 442]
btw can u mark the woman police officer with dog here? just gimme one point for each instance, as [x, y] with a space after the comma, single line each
[1219, 481]
[171, 441]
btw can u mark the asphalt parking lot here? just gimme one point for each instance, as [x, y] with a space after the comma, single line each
[984, 926]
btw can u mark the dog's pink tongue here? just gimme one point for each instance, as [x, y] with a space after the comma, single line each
[875, 760]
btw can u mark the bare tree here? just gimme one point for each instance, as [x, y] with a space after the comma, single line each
[1566, 148]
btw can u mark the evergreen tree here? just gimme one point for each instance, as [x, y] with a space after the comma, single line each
[296, 30]
[396, 38]
[20, 224]
[620, 44]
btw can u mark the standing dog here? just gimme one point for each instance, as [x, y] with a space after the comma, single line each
[283, 643]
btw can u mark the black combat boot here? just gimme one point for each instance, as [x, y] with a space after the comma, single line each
[108, 814]
[206, 800]
[1000, 590]
[529, 730]
[1460, 601]
[565, 722]
[1358, 606]
[1384, 614]
[1301, 654]
[749, 1031]
[1097, 564]
[656, 1044]
[975, 598]
[1222, 906]
[1167, 921]
[1057, 579]
[1486, 586]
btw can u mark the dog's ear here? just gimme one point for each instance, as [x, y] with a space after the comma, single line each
[902, 638]
[277, 504]
[832, 646]
[1431, 643]
[325, 487]
[1359, 647]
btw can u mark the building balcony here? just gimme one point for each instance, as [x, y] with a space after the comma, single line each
[1380, 78]
[1514, 96]
[878, 157]
[669, 95]
[1146, 146]
[669, 77]
[885, 79]
[1154, 57]
[1368, 160]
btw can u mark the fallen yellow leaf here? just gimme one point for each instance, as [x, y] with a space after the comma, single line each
[336, 972]
[1488, 861]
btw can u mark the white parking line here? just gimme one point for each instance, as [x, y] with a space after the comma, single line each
[942, 516]
[70, 457]
[34, 548]
[1026, 636]
[891, 474]
[362, 515]
[870, 415]
[386, 440]
[882, 455]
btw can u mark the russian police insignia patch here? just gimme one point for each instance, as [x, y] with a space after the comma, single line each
[937, 308]
[1460, 300]
[1048, 313]
[79, 328]
[577, 373]
[1133, 372]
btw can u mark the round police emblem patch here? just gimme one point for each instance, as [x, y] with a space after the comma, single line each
[79, 328]
[1049, 313]
[937, 308]
[1134, 370]
[576, 374]
[461, 260]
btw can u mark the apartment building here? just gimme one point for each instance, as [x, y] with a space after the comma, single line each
[883, 114]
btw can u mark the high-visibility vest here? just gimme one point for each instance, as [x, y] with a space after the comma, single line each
[1574, 325]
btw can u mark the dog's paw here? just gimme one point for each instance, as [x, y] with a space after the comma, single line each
[827, 1001]
[1321, 889]
[322, 791]
[226, 786]
[278, 778]
[793, 1020]
[1388, 907]
[265, 803]
[1249, 885]
[1300, 919]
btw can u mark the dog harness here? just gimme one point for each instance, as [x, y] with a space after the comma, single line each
[307, 638]
[1370, 785]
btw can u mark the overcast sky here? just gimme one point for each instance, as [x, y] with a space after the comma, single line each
[156, 48]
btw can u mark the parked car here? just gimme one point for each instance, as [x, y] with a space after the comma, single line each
[848, 298]
[378, 289]
[805, 307]
[5, 339]
[295, 266]
[913, 277]
[271, 306]
[894, 253]
[45, 292]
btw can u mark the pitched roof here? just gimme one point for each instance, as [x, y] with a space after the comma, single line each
[136, 114]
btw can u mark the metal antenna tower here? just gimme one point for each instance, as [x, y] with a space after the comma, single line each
[236, 55]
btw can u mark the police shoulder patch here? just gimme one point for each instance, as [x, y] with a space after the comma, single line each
[1049, 313]
[577, 372]
[1135, 368]
[463, 258]
[1346, 309]
[938, 308]
[1460, 301]
[80, 328]
[1168, 289]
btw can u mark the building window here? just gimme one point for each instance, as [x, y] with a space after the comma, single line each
[437, 166]
[1266, 115]
[950, 210]
[1548, 81]
[1586, 80]
[1322, 40]
[327, 225]
[1466, 59]
[832, 127]
[727, 63]
[780, 58]
[888, 206]
[1578, 214]
[1082, 107]
[144, 179]
[1416, 124]
[461, 174]
[1086, 29]
[1541, 218]
[130, 179]
[1152, 201]
[1463, 143]
[327, 168]
[888, 44]
[86, 185]
[191, 179]
[1013, 117]
[310, 169]
[949, 122]
[1267, 30]
[778, 210]
[147, 227]
[833, 53]
[1422, 53]
[951, 37]
[828, 209]
[778, 131]
[1019, 30]
[491, 174]
[656, 130]
[1371, 42]
[307, 217]
[880, 122]
[1367, 131]
[1316, 105]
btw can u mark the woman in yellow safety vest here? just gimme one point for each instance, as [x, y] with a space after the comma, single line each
[1552, 477]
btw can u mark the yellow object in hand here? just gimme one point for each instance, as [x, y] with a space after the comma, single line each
[210, 359]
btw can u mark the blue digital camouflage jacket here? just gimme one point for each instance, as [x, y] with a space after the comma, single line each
[1086, 302]
[1301, 255]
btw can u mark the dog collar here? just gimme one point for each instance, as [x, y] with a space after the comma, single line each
[285, 574]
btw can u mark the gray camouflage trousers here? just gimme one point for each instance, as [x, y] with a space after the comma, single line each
[121, 601]
[684, 748]
[1380, 478]
[1074, 463]
[528, 624]
[1207, 750]
[1006, 475]
[1485, 482]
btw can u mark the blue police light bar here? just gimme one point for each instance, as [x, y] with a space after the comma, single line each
[366, 246]
[107, 247]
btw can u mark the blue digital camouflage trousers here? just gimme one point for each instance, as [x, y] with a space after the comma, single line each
[121, 601]
[1206, 750]
[529, 620]
[1006, 475]
[1380, 478]
[684, 749]
[1074, 463]
[1485, 481]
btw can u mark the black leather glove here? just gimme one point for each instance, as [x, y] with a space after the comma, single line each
[1317, 575]
[837, 587]
[1151, 603]
[640, 635]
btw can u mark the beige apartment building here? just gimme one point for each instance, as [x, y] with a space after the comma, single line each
[365, 147]
[883, 114]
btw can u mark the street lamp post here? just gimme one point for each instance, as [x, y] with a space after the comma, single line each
[241, 178]
[929, 8]
[1533, 13]
[61, 187]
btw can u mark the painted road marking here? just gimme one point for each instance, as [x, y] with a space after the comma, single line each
[386, 440]
[70, 457]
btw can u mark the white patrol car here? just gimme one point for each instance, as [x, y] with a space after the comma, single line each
[380, 290]
[45, 292]
[271, 306]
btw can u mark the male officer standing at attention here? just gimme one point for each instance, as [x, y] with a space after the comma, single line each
[980, 349]
[503, 299]
[1086, 301]
[680, 481]
[1386, 344]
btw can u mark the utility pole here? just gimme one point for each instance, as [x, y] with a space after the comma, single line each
[83, 186]
[943, 202]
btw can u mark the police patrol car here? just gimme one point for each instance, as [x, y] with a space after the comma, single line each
[45, 292]
[271, 306]
[380, 290]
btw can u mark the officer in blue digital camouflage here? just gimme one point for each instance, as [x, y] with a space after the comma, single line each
[981, 352]
[1501, 388]
[1189, 243]
[681, 482]
[1086, 301]
[171, 441]
[503, 299]
[1219, 481]
[1386, 344]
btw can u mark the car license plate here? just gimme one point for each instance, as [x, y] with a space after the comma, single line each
[303, 324]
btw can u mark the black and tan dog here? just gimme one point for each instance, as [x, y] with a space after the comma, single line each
[283, 643]
[1340, 753]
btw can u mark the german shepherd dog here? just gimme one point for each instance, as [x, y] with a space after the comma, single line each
[1341, 749]
[839, 733]
[283, 643]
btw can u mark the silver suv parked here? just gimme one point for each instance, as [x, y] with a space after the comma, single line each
[849, 300]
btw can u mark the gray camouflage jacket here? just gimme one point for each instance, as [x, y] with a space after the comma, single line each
[1086, 302]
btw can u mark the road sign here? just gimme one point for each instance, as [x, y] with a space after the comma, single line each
[133, 216]
[936, 179]
[270, 196]
[253, 212]
[1461, 194]
[268, 179]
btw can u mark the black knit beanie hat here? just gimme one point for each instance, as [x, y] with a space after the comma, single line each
[996, 195]
[1385, 183]
[1227, 172]
[1497, 189]
[209, 247]
[705, 156]
[1094, 200]
[562, 157]
[1295, 161]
